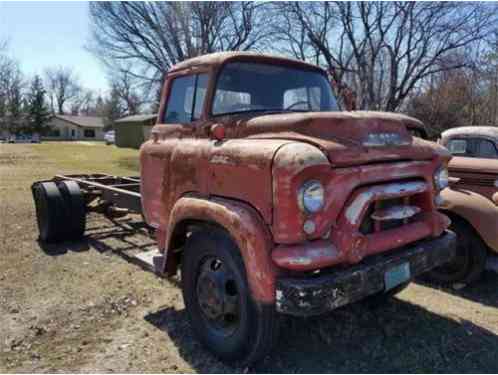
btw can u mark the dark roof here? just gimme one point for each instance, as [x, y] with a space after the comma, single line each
[219, 58]
[83, 121]
[137, 118]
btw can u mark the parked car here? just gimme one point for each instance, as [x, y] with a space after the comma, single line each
[110, 137]
[471, 202]
[270, 199]
[24, 138]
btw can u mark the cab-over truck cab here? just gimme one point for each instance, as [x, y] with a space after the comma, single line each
[272, 200]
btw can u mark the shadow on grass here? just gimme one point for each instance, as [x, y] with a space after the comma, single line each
[56, 249]
[105, 235]
[399, 337]
[395, 337]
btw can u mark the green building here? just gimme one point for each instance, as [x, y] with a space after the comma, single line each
[131, 131]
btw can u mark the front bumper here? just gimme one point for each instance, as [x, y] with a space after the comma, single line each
[317, 295]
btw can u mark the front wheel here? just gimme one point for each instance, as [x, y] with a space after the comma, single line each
[469, 261]
[218, 301]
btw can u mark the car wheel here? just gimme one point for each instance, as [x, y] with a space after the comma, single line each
[469, 261]
[218, 301]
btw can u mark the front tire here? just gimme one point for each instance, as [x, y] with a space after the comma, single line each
[470, 259]
[218, 301]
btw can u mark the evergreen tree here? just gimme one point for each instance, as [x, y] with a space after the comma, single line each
[14, 108]
[38, 110]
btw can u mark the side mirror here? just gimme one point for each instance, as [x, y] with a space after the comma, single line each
[217, 132]
[348, 96]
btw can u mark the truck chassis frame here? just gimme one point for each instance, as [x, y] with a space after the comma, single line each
[115, 192]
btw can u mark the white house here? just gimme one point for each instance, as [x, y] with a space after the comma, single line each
[67, 128]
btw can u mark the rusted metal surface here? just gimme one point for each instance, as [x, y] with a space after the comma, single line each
[120, 191]
[395, 213]
[258, 163]
[361, 200]
[340, 184]
[476, 209]
[323, 293]
[473, 193]
[307, 256]
[247, 229]
[219, 58]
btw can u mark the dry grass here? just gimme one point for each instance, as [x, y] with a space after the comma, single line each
[84, 307]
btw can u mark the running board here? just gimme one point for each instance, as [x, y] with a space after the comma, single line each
[492, 263]
[151, 260]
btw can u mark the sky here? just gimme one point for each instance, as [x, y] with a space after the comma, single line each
[47, 34]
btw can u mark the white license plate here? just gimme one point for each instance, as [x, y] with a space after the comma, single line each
[397, 275]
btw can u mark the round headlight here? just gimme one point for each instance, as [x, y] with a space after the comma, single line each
[441, 178]
[311, 196]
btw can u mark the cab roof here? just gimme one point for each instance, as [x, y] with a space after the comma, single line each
[487, 131]
[219, 58]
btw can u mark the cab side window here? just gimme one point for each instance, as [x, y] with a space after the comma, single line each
[487, 149]
[186, 99]
[460, 147]
[473, 147]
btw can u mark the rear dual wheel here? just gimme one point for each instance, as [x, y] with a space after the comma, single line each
[60, 211]
[218, 301]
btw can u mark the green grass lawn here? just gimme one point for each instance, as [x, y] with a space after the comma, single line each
[50, 158]
[73, 297]
[70, 157]
[22, 164]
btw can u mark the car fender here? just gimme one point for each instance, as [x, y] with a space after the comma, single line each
[477, 210]
[246, 228]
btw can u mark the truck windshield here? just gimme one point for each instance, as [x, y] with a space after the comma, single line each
[256, 87]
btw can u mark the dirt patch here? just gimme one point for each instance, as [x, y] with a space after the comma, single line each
[84, 307]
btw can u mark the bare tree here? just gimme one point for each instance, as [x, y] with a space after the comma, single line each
[112, 108]
[12, 85]
[7, 67]
[148, 37]
[382, 49]
[125, 86]
[84, 103]
[458, 97]
[63, 87]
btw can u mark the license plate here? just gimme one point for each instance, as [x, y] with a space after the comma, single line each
[396, 276]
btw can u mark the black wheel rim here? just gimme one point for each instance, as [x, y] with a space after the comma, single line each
[218, 296]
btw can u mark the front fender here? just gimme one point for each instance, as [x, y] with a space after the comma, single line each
[476, 209]
[246, 228]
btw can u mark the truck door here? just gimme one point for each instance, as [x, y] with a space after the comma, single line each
[170, 160]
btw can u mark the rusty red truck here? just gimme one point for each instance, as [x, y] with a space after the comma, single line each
[269, 199]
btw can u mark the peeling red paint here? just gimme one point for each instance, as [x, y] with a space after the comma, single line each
[247, 229]
[246, 179]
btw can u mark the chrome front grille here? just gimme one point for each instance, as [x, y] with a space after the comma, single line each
[372, 223]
